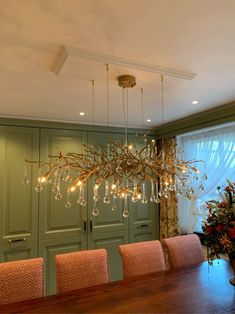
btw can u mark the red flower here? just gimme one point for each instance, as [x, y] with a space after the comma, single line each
[220, 227]
[231, 231]
[209, 229]
[222, 205]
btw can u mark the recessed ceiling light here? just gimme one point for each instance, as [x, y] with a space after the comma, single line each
[195, 102]
[148, 120]
[82, 113]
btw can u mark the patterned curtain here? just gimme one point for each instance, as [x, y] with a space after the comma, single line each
[169, 222]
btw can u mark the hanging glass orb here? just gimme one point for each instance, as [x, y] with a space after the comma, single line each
[58, 196]
[125, 213]
[114, 207]
[67, 205]
[144, 200]
[38, 188]
[95, 212]
[25, 180]
[201, 187]
[107, 199]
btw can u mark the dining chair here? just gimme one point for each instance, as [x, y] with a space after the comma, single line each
[142, 258]
[21, 280]
[81, 269]
[185, 250]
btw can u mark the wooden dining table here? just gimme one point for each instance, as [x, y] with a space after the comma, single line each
[197, 289]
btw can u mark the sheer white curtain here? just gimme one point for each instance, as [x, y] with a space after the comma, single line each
[217, 148]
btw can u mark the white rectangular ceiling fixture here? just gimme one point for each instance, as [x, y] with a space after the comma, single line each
[66, 51]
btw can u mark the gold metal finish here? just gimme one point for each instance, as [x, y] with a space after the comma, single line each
[126, 81]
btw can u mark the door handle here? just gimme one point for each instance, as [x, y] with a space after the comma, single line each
[91, 224]
[84, 225]
[142, 226]
[17, 240]
[17, 243]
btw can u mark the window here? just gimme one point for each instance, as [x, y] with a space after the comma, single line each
[217, 148]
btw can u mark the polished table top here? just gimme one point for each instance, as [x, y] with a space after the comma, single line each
[198, 289]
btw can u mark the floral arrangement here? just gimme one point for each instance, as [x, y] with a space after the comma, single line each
[219, 227]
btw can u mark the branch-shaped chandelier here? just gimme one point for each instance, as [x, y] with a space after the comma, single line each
[125, 171]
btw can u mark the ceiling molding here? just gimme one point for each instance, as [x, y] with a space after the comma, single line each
[109, 59]
[204, 119]
[6, 121]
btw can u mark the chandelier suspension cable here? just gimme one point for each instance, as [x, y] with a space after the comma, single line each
[93, 100]
[107, 84]
[127, 115]
[142, 108]
[162, 120]
[162, 100]
[124, 114]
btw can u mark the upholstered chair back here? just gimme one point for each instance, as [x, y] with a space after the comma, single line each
[185, 250]
[142, 258]
[21, 280]
[81, 269]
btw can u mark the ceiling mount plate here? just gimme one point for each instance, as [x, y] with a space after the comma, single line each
[126, 81]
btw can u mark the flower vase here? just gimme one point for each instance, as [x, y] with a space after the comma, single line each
[232, 263]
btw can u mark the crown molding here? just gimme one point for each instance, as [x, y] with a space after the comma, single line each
[31, 123]
[212, 117]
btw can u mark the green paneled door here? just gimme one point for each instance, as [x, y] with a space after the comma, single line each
[61, 229]
[110, 228]
[107, 220]
[144, 218]
[18, 202]
[57, 221]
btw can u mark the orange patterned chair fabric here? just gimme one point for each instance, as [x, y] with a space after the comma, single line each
[21, 280]
[185, 250]
[82, 269]
[142, 258]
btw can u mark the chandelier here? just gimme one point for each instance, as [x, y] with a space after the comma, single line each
[125, 171]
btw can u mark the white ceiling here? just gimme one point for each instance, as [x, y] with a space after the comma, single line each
[191, 35]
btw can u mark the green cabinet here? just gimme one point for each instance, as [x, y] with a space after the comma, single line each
[35, 224]
[55, 220]
[144, 218]
[61, 229]
[18, 202]
[107, 220]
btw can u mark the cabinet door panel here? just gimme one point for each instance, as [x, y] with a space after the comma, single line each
[146, 214]
[142, 214]
[143, 234]
[18, 202]
[49, 248]
[107, 220]
[55, 219]
[110, 241]
[18, 250]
